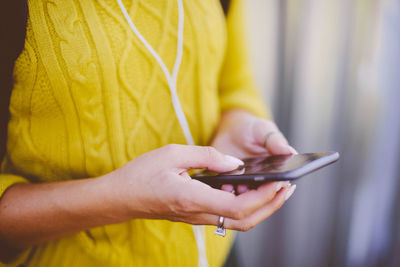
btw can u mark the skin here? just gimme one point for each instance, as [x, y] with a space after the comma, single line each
[35, 213]
[242, 135]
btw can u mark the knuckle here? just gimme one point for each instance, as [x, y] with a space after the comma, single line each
[172, 148]
[238, 213]
[276, 206]
[231, 212]
[271, 125]
[211, 152]
[182, 203]
[267, 124]
[279, 204]
[270, 195]
[245, 226]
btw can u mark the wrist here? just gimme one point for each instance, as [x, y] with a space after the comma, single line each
[231, 120]
[114, 196]
[235, 115]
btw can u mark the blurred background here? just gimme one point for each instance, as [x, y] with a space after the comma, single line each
[330, 72]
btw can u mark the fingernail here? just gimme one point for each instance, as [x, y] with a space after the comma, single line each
[233, 160]
[290, 192]
[241, 189]
[294, 151]
[279, 185]
[285, 147]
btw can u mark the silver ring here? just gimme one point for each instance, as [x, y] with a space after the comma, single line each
[221, 221]
[220, 228]
[267, 136]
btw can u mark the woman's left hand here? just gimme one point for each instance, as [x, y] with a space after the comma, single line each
[242, 134]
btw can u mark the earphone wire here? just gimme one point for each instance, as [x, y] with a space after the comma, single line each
[171, 79]
[199, 231]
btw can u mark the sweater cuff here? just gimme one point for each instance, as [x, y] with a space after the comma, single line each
[245, 100]
[7, 180]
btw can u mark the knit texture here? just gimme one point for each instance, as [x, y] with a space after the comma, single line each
[89, 97]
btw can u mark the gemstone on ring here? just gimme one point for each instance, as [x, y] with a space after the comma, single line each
[220, 228]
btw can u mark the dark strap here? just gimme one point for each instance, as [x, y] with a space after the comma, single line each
[225, 5]
[13, 17]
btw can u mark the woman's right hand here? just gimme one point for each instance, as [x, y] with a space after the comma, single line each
[156, 185]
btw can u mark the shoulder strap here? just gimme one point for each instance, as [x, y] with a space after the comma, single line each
[13, 17]
[225, 5]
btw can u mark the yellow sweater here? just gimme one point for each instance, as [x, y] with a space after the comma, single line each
[89, 97]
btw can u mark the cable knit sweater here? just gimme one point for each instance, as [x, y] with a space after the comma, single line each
[88, 97]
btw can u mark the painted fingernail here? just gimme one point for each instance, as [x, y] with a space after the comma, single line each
[279, 185]
[294, 151]
[290, 192]
[241, 189]
[233, 160]
[284, 147]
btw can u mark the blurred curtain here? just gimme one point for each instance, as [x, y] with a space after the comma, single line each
[330, 70]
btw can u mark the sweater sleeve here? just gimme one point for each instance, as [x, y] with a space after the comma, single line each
[238, 89]
[7, 180]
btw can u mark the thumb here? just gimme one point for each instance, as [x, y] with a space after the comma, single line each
[267, 135]
[199, 157]
[277, 144]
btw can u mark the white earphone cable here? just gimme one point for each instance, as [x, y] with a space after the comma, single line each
[199, 231]
[171, 79]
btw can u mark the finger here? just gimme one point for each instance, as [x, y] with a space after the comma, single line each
[228, 188]
[198, 157]
[246, 223]
[277, 144]
[294, 151]
[208, 200]
[267, 134]
[260, 214]
[242, 188]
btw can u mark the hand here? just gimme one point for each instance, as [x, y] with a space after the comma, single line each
[242, 134]
[156, 185]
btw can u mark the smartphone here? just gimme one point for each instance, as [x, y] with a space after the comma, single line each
[259, 170]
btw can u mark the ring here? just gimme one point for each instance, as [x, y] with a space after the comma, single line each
[267, 136]
[220, 228]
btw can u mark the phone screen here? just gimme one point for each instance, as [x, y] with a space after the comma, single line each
[271, 164]
[271, 168]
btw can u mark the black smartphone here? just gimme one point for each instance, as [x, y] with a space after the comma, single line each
[259, 170]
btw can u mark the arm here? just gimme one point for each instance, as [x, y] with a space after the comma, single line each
[34, 213]
[31, 214]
